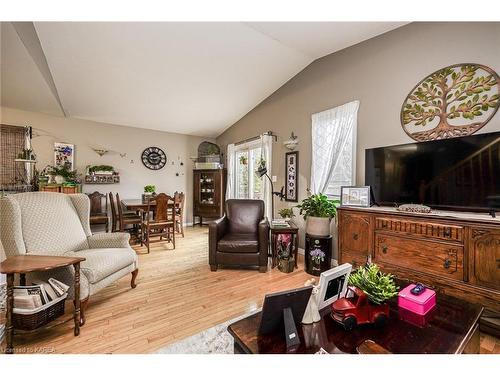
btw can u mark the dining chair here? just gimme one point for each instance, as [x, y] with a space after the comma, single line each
[179, 212]
[97, 214]
[124, 219]
[114, 213]
[163, 223]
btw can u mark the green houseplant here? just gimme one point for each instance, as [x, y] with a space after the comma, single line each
[318, 210]
[149, 189]
[62, 174]
[101, 169]
[286, 213]
[378, 286]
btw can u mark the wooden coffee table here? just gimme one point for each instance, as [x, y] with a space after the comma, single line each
[23, 264]
[451, 327]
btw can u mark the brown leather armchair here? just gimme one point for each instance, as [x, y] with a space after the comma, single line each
[240, 237]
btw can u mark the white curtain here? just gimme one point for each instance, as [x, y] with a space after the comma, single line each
[230, 185]
[330, 132]
[267, 154]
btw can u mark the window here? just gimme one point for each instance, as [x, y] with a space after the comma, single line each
[334, 149]
[12, 143]
[247, 184]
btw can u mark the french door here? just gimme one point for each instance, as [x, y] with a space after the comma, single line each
[247, 184]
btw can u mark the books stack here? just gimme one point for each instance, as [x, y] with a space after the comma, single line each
[39, 294]
[282, 223]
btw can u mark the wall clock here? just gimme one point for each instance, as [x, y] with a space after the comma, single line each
[154, 158]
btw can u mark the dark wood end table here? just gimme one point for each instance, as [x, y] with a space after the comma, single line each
[293, 230]
[23, 264]
[452, 327]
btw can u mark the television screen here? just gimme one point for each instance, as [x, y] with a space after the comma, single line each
[457, 173]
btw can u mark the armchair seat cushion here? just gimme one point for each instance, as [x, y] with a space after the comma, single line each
[101, 263]
[239, 243]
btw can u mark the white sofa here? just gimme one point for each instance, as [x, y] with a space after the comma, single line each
[42, 223]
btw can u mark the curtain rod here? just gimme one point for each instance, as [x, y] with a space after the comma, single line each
[258, 137]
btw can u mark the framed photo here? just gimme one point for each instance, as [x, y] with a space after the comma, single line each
[355, 196]
[291, 176]
[333, 284]
[64, 155]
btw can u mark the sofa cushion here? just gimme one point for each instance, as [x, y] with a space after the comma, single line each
[239, 243]
[100, 263]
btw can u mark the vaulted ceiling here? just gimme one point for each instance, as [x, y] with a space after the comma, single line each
[188, 78]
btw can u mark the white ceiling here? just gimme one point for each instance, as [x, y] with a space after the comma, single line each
[188, 78]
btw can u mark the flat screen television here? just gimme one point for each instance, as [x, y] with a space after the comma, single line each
[456, 174]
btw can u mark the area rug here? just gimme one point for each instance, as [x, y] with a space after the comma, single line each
[215, 340]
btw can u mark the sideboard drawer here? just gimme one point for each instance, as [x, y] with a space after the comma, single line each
[424, 256]
[355, 259]
[355, 235]
[421, 228]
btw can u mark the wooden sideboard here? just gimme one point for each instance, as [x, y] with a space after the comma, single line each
[456, 253]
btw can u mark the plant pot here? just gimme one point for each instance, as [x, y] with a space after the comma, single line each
[318, 226]
[59, 179]
[286, 265]
[147, 196]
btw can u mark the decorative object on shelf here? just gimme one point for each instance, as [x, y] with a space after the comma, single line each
[417, 208]
[291, 176]
[333, 284]
[64, 155]
[311, 315]
[149, 191]
[26, 155]
[100, 152]
[454, 101]
[318, 254]
[286, 261]
[101, 169]
[355, 196]
[292, 142]
[318, 211]
[154, 158]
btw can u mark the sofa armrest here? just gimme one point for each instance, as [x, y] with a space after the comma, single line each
[263, 241]
[216, 230]
[109, 240]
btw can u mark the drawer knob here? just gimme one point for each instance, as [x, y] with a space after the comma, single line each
[384, 248]
[447, 232]
[447, 263]
[355, 236]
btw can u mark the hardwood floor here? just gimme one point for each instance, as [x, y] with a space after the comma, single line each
[176, 296]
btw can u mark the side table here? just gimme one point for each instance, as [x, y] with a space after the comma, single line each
[23, 264]
[275, 232]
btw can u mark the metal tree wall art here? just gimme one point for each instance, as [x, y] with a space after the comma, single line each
[454, 101]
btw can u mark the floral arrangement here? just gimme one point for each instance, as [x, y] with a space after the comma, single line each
[317, 255]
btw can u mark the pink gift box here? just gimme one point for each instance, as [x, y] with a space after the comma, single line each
[420, 304]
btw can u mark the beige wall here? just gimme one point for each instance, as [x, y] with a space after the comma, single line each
[379, 73]
[118, 139]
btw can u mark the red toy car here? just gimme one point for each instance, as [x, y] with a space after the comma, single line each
[351, 311]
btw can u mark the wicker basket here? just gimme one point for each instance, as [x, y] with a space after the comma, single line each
[29, 320]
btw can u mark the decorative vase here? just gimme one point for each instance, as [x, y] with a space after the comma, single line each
[59, 179]
[318, 226]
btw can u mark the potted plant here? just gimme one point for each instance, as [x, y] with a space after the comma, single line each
[243, 160]
[62, 174]
[318, 211]
[101, 169]
[27, 154]
[286, 213]
[149, 191]
[370, 289]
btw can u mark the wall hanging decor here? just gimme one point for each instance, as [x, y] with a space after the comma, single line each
[291, 176]
[154, 158]
[64, 155]
[452, 102]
